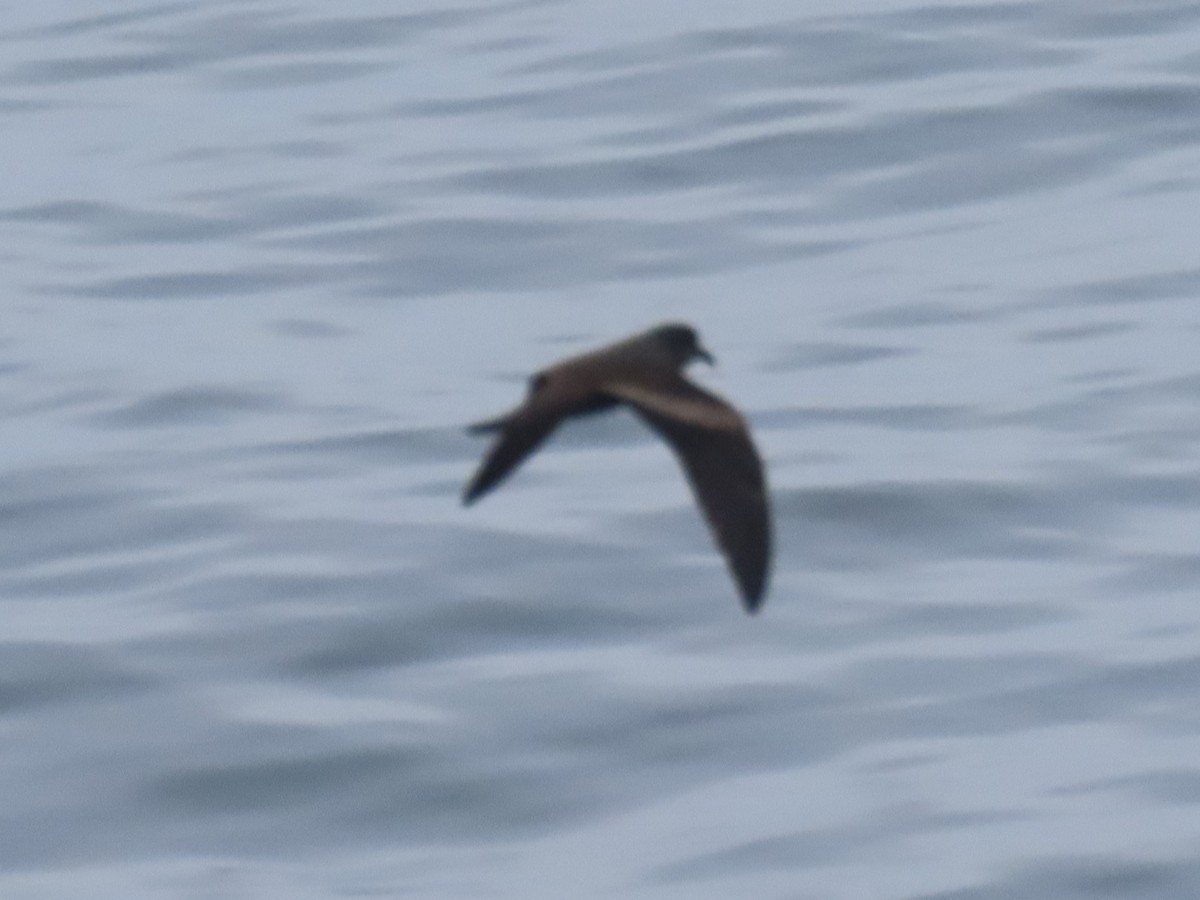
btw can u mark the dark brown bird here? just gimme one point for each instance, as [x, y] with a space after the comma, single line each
[709, 437]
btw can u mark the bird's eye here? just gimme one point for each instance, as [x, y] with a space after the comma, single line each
[537, 382]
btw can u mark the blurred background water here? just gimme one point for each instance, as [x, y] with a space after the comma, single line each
[261, 261]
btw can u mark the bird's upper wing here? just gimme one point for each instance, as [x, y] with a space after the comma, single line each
[712, 442]
[520, 434]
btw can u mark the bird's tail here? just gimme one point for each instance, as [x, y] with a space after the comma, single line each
[489, 425]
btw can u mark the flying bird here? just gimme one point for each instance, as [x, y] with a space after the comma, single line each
[709, 437]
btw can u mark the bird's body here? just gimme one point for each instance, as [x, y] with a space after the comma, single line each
[708, 436]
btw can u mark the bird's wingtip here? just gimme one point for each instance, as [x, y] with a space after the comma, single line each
[752, 604]
[752, 593]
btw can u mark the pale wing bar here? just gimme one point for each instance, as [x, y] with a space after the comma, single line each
[725, 471]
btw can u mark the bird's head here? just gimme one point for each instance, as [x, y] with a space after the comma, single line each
[682, 343]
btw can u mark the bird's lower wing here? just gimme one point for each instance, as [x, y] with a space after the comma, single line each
[725, 471]
[519, 436]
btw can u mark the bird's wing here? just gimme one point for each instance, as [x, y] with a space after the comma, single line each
[712, 442]
[520, 434]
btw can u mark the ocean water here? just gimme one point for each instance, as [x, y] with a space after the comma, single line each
[262, 261]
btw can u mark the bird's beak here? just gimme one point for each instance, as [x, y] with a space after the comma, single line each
[703, 354]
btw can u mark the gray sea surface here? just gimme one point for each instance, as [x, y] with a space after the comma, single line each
[261, 261]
